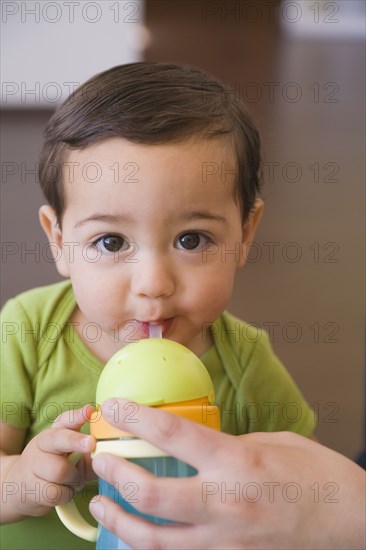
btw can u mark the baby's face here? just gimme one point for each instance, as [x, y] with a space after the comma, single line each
[156, 236]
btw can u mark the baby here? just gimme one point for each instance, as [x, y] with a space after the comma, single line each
[151, 174]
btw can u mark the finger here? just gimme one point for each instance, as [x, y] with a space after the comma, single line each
[57, 469]
[138, 532]
[173, 434]
[85, 466]
[73, 419]
[62, 440]
[165, 497]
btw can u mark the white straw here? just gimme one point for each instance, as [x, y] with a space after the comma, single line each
[155, 331]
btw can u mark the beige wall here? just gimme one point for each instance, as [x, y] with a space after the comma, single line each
[320, 297]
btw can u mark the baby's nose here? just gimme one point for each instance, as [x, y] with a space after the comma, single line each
[153, 277]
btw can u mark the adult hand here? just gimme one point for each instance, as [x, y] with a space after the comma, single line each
[261, 490]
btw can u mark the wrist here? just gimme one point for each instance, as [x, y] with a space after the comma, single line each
[10, 490]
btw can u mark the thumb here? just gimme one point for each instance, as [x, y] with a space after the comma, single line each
[73, 419]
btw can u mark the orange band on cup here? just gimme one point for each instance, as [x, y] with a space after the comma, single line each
[197, 410]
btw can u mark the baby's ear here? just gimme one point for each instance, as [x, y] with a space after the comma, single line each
[48, 221]
[250, 227]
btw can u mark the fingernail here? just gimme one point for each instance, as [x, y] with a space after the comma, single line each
[87, 411]
[97, 508]
[99, 465]
[86, 443]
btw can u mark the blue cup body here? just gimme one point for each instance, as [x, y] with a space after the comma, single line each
[162, 466]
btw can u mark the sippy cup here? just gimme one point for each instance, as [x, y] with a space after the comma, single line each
[155, 372]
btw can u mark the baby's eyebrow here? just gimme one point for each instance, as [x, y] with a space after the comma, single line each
[186, 215]
[102, 218]
[202, 215]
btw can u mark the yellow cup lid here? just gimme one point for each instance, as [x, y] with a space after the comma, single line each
[155, 371]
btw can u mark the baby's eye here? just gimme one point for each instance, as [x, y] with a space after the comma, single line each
[111, 243]
[192, 240]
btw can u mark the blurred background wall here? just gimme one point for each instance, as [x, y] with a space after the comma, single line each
[299, 66]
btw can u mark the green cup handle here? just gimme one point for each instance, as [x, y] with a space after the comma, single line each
[71, 517]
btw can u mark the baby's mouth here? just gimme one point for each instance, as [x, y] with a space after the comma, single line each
[165, 325]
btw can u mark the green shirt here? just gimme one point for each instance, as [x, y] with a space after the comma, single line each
[47, 369]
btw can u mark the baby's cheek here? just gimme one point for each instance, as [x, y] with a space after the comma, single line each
[213, 298]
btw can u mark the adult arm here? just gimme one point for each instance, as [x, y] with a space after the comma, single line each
[261, 490]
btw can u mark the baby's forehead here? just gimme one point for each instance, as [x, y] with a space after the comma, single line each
[116, 170]
[210, 157]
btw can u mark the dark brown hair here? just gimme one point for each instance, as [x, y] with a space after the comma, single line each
[150, 103]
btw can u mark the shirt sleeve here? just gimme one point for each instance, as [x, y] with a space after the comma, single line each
[19, 335]
[268, 397]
